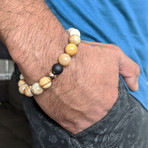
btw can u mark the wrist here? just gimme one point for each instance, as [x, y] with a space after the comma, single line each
[63, 61]
[41, 59]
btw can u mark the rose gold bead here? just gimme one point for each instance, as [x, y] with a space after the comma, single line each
[21, 82]
[64, 59]
[51, 75]
[28, 92]
[71, 49]
[74, 39]
[22, 88]
[44, 81]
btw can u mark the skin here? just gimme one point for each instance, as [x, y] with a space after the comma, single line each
[88, 88]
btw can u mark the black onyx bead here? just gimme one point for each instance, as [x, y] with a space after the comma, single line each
[57, 69]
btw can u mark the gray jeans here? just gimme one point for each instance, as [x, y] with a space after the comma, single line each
[125, 126]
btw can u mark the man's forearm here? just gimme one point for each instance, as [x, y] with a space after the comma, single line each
[13, 13]
[30, 25]
[19, 17]
[35, 39]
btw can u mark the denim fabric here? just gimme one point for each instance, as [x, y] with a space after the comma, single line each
[125, 126]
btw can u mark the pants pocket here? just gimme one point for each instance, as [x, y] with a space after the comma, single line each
[98, 125]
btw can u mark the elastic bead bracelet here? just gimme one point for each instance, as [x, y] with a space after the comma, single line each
[63, 60]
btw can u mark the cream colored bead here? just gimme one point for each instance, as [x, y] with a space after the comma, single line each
[68, 31]
[75, 39]
[74, 32]
[47, 85]
[22, 88]
[36, 89]
[28, 92]
[71, 49]
[64, 59]
[21, 77]
[21, 82]
[44, 81]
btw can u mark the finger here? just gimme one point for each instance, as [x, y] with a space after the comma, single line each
[127, 67]
[130, 71]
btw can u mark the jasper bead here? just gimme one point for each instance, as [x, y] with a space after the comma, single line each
[22, 88]
[71, 49]
[64, 59]
[74, 32]
[28, 92]
[74, 39]
[57, 69]
[21, 82]
[44, 81]
[47, 85]
[36, 89]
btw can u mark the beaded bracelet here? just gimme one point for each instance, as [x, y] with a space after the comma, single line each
[63, 60]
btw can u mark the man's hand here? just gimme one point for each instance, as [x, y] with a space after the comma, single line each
[87, 89]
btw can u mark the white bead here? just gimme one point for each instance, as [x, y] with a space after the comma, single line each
[74, 32]
[68, 31]
[36, 89]
[21, 77]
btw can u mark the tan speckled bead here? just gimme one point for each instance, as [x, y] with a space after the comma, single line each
[47, 85]
[71, 49]
[44, 81]
[64, 59]
[22, 88]
[28, 92]
[36, 89]
[21, 82]
[75, 39]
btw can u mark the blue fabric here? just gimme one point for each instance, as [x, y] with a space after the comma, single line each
[120, 22]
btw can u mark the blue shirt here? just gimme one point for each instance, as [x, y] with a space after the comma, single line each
[120, 22]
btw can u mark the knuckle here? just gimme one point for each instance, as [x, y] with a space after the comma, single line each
[115, 47]
[116, 50]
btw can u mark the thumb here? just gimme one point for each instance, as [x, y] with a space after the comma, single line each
[129, 70]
